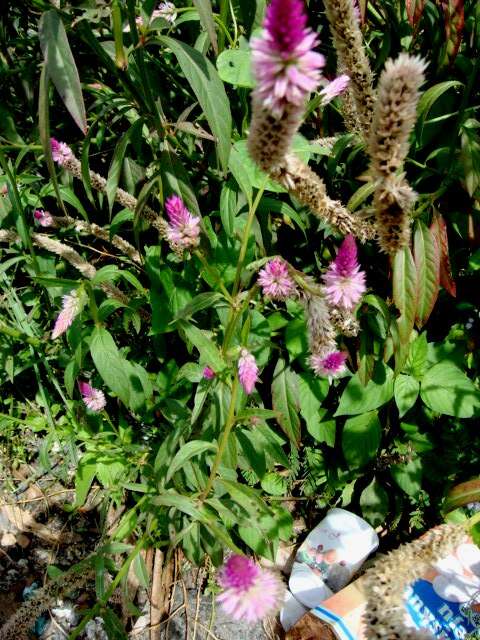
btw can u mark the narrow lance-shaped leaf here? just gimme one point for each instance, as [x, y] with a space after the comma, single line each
[60, 65]
[427, 263]
[115, 169]
[439, 230]
[285, 400]
[209, 91]
[414, 11]
[204, 8]
[405, 291]
[454, 13]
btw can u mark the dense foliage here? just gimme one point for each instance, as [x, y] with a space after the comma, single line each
[161, 107]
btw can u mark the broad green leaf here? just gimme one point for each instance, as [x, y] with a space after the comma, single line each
[428, 99]
[417, 358]
[285, 400]
[228, 203]
[374, 503]
[427, 264]
[312, 391]
[296, 339]
[60, 65]
[462, 494]
[209, 91]
[405, 291]
[176, 180]
[235, 67]
[360, 196]
[189, 450]
[110, 364]
[204, 8]
[256, 540]
[178, 501]
[446, 389]
[199, 302]
[116, 165]
[361, 438]
[408, 476]
[251, 447]
[86, 470]
[274, 484]
[358, 399]
[406, 393]
[209, 351]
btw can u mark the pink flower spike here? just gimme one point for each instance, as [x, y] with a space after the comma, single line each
[208, 373]
[275, 280]
[247, 371]
[44, 218]
[344, 282]
[285, 66]
[250, 593]
[331, 365]
[334, 88]
[61, 152]
[72, 304]
[183, 231]
[94, 399]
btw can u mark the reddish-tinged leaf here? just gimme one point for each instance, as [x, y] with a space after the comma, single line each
[427, 262]
[454, 15]
[439, 230]
[405, 291]
[362, 5]
[415, 10]
[462, 494]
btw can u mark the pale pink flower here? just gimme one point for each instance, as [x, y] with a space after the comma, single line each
[208, 373]
[44, 218]
[331, 365]
[356, 10]
[334, 88]
[250, 593]
[344, 282]
[165, 10]
[72, 304]
[93, 398]
[247, 371]
[275, 280]
[183, 230]
[61, 152]
[285, 66]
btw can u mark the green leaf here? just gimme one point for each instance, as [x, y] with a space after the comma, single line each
[408, 476]
[358, 399]
[428, 99]
[189, 450]
[361, 438]
[285, 400]
[274, 484]
[228, 204]
[113, 625]
[60, 65]
[251, 448]
[209, 351]
[235, 67]
[446, 389]
[141, 571]
[417, 357]
[427, 263]
[405, 291]
[312, 391]
[176, 179]
[406, 393]
[199, 302]
[109, 363]
[209, 91]
[204, 8]
[256, 540]
[374, 503]
[116, 165]
[84, 476]
[296, 338]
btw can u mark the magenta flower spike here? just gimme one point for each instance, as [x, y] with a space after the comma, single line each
[208, 373]
[72, 304]
[334, 88]
[61, 152]
[330, 365]
[94, 399]
[286, 68]
[43, 218]
[275, 280]
[183, 231]
[344, 282]
[247, 371]
[250, 593]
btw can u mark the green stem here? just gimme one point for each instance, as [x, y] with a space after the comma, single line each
[223, 442]
[18, 335]
[109, 592]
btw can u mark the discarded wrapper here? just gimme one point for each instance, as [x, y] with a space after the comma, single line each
[445, 602]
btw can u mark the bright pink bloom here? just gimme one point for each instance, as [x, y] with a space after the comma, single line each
[72, 304]
[250, 593]
[61, 152]
[285, 65]
[247, 371]
[275, 280]
[184, 229]
[93, 398]
[208, 373]
[331, 365]
[44, 218]
[345, 283]
[334, 88]
[166, 10]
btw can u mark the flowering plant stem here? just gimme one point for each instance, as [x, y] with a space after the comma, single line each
[223, 442]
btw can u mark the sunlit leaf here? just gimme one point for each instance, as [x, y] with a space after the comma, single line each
[427, 263]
